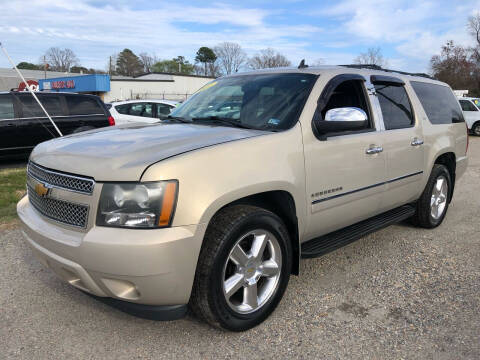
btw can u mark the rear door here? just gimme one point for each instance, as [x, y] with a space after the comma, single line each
[137, 112]
[403, 141]
[83, 112]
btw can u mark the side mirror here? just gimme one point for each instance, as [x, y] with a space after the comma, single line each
[342, 119]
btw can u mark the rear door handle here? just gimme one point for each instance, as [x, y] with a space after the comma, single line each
[417, 142]
[374, 150]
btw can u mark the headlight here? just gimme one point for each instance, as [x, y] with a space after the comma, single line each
[137, 205]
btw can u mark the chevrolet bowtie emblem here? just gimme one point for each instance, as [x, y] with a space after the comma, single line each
[41, 190]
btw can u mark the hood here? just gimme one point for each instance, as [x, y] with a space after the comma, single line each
[122, 153]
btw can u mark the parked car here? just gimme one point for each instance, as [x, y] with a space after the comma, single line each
[471, 113]
[146, 111]
[215, 212]
[23, 124]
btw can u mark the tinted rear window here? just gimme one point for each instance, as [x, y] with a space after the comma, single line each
[439, 103]
[395, 105]
[6, 107]
[80, 105]
[30, 107]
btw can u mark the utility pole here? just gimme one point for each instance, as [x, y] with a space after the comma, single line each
[110, 66]
[44, 67]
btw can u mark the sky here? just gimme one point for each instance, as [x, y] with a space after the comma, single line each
[331, 32]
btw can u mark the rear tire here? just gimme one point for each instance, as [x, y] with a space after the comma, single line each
[433, 204]
[243, 268]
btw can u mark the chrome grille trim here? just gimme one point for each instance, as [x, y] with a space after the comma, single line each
[59, 180]
[61, 211]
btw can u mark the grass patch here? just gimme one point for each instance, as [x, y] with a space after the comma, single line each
[12, 188]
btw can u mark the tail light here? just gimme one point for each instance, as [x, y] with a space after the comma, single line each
[111, 121]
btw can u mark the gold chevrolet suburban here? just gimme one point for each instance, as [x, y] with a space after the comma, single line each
[213, 208]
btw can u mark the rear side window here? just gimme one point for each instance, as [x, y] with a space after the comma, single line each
[123, 109]
[80, 105]
[395, 105]
[6, 107]
[30, 107]
[439, 103]
[467, 106]
[141, 109]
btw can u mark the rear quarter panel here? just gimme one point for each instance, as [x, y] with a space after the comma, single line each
[441, 139]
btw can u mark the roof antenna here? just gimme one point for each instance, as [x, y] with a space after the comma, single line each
[302, 64]
[29, 89]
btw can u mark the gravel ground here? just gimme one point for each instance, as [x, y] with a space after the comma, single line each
[399, 293]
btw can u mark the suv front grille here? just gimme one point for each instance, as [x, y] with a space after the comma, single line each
[59, 210]
[64, 181]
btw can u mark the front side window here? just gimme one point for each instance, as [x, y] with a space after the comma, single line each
[439, 103]
[467, 106]
[6, 107]
[396, 109]
[265, 101]
[349, 94]
[163, 109]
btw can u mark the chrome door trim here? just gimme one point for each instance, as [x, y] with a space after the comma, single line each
[367, 187]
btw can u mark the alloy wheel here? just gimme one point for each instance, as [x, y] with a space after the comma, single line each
[252, 271]
[438, 200]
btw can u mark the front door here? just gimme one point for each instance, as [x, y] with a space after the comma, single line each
[345, 172]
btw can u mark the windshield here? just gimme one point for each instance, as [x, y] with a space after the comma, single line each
[266, 101]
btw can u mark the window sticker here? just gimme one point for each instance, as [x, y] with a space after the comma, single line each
[208, 86]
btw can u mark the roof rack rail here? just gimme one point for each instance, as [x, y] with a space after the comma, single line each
[376, 67]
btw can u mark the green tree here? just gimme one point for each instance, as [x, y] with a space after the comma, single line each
[28, 66]
[128, 63]
[176, 65]
[206, 56]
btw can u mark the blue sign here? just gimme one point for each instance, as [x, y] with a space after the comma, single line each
[81, 83]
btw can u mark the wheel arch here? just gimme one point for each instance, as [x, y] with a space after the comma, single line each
[449, 160]
[282, 204]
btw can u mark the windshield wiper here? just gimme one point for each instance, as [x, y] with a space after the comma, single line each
[225, 121]
[178, 119]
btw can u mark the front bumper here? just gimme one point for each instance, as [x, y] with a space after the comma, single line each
[151, 267]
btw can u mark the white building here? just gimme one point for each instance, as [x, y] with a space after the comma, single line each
[155, 86]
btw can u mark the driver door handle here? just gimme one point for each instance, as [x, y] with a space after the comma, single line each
[417, 142]
[373, 149]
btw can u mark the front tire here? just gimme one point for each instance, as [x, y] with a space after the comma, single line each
[243, 268]
[476, 129]
[433, 204]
